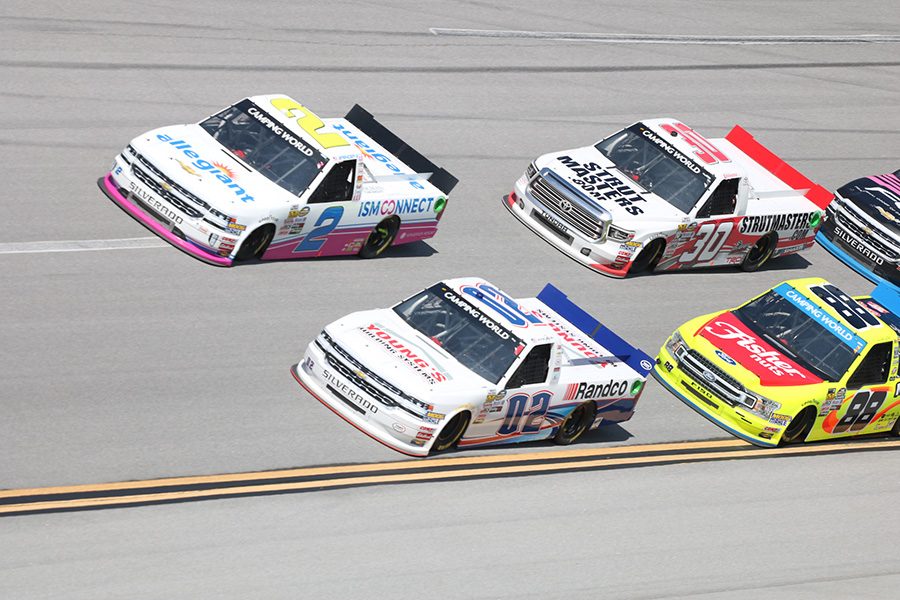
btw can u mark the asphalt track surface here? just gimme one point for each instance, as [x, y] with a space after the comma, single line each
[139, 362]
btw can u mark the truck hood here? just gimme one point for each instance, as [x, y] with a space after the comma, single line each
[596, 177]
[384, 343]
[190, 157]
[877, 196]
[739, 352]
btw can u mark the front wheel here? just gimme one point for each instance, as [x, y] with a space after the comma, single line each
[256, 243]
[648, 257]
[760, 253]
[451, 432]
[578, 421]
[799, 427]
[381, 238]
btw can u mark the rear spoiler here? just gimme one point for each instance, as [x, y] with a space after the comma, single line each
[574, 314]
[405, 153]
[771, 162]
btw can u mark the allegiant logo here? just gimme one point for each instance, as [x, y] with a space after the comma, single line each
[206, 166]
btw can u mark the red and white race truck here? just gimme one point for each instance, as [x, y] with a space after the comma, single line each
[658, 196]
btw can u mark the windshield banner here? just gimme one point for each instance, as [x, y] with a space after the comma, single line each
[819, 315]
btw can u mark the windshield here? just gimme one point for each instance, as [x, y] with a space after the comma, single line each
[803, 331]
[656, 166]
[461, 330]
[266, 145]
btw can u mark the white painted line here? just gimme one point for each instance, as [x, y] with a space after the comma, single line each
[624, 38]
[81, 245]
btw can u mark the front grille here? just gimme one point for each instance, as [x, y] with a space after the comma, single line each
[723, 386]
[550, 225]
[577, 215]
[352, 370]
[163, 193]
[346, 400]
[166, 188]
[862, 227]
[163, 177]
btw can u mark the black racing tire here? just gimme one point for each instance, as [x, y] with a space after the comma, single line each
[760, 253]
[381, 238]
[256, 243]
[578, 421]
[648, 257]
[895, 430]
[451, 433]
[799, 427]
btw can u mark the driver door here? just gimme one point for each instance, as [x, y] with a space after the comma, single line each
[714, 224]
[524, 402]
[868, 393]
[330, 205]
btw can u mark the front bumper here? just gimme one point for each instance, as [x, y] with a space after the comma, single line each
[609, 258]
[865, 267]
[735, 421]
[391, 426]
[116, 192]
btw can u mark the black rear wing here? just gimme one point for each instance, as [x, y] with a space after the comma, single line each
[438, 177]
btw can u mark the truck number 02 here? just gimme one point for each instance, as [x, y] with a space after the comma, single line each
[525, 413]
[710, 239]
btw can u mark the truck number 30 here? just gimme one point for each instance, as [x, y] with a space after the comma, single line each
[710, 238]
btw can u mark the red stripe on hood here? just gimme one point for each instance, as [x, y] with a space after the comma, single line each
[753, 353]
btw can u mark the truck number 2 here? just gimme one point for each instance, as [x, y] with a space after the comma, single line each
[326, 222]
[710, 239]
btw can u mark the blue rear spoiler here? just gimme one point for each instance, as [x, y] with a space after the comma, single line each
[888, 296]
[577, 316]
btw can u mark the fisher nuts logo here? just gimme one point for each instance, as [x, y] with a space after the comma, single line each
[768, 359]
[725, 357]
[565, 206]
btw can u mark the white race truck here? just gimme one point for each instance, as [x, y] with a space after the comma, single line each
[659, 196]
[463, 363]
[266, 178]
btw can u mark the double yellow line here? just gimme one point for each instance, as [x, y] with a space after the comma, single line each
[179, 489]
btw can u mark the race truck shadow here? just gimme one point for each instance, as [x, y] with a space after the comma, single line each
[605, 434]
[417, 249]
[785, 263]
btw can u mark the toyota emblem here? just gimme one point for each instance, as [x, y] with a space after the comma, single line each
[565, 206]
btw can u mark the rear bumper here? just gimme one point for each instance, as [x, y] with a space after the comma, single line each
[107, 185]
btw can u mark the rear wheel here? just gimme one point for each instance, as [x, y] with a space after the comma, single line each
[799, 427]
[451, 432]
[256, 243]
[381, 238]
[760, 253]
[648, 257]
[895, 430]
[576, 424]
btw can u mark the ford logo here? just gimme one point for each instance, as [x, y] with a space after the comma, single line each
[725, 357]
[708, 376]
[565, 206]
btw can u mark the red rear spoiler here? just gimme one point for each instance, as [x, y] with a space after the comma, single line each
[768, 160]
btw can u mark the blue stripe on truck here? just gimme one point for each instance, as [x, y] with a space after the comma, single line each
[603, 335]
